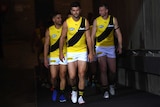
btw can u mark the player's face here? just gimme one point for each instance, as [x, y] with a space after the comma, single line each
[75, 11]
[58, 19]
[103, 11]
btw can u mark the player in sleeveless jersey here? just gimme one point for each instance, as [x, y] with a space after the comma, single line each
[104, 28]
[76, 29]
[56, 66]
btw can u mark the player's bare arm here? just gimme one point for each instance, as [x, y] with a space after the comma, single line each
[46, 48]
[93, 33]
[62, 40]
[118, 35]
[89, 42]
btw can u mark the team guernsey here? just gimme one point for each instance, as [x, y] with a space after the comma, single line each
[105, 31]
[55, 34]
[76, 40]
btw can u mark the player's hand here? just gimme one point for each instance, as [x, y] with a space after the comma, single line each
[61, 57]
[119, 50]
[90, 57]
[46, 63]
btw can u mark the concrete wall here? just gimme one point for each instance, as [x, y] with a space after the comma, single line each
[140, 71]
[139, 22]
[139, 80]
[64, 7]
[19, 20]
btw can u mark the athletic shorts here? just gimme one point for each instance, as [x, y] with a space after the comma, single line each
[106, 51]
[75, 56]
[57, 61]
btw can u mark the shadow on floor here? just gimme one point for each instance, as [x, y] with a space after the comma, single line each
[125, 97]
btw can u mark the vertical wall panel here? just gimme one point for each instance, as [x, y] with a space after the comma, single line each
[145, 34]
[156, 22]
[148, 24]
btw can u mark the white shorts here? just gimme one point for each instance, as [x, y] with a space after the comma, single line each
[106, 51]
[57, 61]
[75, 56]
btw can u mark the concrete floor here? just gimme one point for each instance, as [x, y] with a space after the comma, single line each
[125, 97]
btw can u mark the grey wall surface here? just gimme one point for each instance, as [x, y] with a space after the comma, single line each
[139, 22]
[145, 34]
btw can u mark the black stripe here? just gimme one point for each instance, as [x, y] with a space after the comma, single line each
[106, 32]
[55, 46]
[78, 35]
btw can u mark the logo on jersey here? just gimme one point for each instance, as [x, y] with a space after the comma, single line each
[71, 29]
[110, 25]
[101, 26]
[82, 28]
[54, 35]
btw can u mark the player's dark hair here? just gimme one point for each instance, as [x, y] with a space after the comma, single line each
[104, 4]
[55, 14]
[75, 4]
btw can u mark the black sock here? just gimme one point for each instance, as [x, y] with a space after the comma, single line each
[74, 88]
[61, 92]
[105, 88]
